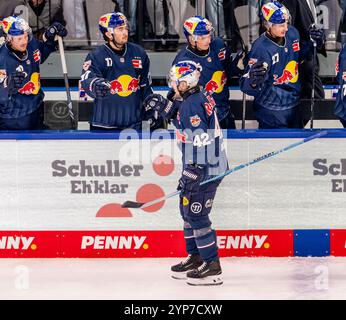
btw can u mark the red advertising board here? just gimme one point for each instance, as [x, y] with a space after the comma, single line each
[138, 244]
[30, 244]
[338, 242]
[243, 243]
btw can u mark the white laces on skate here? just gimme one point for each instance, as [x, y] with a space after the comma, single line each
[202, 267]
[186, 261]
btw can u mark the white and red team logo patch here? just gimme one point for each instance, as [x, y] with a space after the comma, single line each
[296, 46]
[222, 55]
[195, 120]
[252, 61]
[137, 63]
[344, 76]
[37, 55]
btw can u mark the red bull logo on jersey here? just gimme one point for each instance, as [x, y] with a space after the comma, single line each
[124, 85]
[289, 74]
[33, 86]
[195, 120]
[216, 83]
[209, 106]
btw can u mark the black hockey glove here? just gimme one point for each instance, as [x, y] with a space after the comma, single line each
[167, 109]
[55, 29]
[257, 73]
[101, 88]
[15, 81]
[317, 35]
[154, 119]
[191, 178]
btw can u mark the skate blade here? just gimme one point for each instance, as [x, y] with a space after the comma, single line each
[208, 281]
[179, 275]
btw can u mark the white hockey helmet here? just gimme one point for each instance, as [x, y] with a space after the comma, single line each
[14, 26]
[188, 71]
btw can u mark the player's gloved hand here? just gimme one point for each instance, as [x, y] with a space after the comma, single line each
[317, 35]
[101, 88]
[15, 81]
[191, 178]
[171, 95]
[167, 109]
[55, 29]
[154, 119]
[257, 73]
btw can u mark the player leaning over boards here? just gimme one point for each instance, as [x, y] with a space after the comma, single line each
[201, 143]
[217, 63]
[272, 72]
[117, 75]
[21, 96]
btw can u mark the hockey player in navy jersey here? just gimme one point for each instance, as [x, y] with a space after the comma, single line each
[21, 96]
[217, 63]
[200, 139]
[272, 72]
[340, 105]
[116, 75]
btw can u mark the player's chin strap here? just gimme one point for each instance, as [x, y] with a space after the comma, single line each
[133, 204]
[116, 44]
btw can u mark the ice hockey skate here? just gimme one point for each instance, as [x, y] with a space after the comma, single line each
[207, 274]
[193, 261]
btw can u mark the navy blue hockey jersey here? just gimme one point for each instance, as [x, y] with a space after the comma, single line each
[199, 135]
[340, 105]
[130, 82]
[217, 67]
[30, 96]
[281, 88]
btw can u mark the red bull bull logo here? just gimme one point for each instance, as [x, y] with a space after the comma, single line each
[124, 85]
[5, 25]
[195, 120]
[217, 82]
[182, 69]
[190, 26]
[104, 20]
[31, 87]
[289, 74]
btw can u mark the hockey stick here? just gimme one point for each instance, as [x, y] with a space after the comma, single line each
[68, 93]
[312, 106]
[133, 204]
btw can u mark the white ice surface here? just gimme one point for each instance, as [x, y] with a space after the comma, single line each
[149, 279]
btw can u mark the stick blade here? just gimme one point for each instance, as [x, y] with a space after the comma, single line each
[132, 204]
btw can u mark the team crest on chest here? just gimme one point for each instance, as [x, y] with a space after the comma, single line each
[37, 55]
[137, 63]
[195, 120]
[296, 46]
[222, 55]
